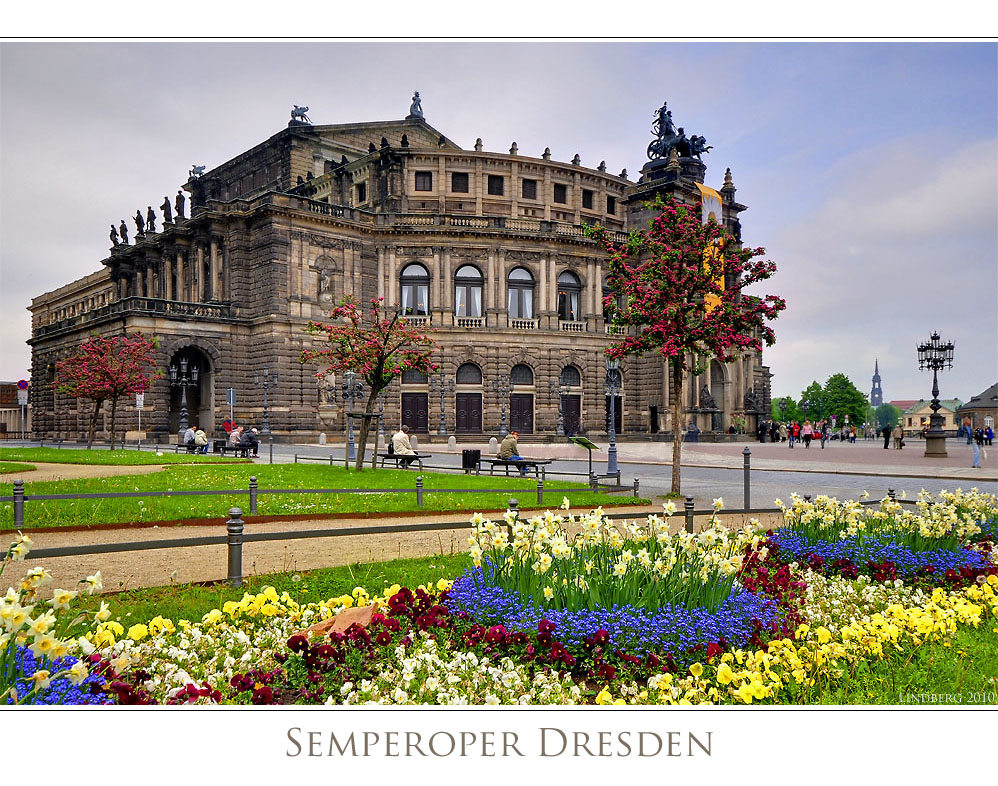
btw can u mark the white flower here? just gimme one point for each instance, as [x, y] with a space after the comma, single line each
[718, 503]
[670, 507]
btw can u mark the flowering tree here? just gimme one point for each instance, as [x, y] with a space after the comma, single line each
[105, 369]
[671, 279]
[379, 349]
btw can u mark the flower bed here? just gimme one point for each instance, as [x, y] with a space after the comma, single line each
[783, 632]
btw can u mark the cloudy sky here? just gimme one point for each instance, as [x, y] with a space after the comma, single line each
[870, 169]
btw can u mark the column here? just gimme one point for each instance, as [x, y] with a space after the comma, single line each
[553, 284]
[392, 298]
[167, 287]
[542, 301]
[355, 258]
[381, 271]
[490, 282]
[150, 282]
[202, 283]
[447, 283]
[591, 275]
[503, 297]
[181, 289]
[436, 281]
[216, 279]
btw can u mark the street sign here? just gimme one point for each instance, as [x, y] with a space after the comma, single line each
[23, 384]
[140, 400]
[230, 397]
[22, 398]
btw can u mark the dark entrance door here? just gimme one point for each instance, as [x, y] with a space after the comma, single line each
[414, 412]
[521, 413]
[618, 406]
[571, 412]
[653, 419]
[469, 413]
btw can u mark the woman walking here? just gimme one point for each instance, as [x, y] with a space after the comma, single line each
[807, 432]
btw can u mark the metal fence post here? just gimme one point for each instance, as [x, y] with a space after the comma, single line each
[892, 494]
[688, 508]
[747, 455]
[540, 491]
[514, 507]
[636, 483]
[234, 526]
[18, 504]
[252, 492]
[807, 497]
[419, 491]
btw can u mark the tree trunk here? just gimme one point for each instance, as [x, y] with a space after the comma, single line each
[365, 428]
[114, 410]
[98, 403]
[677, 425]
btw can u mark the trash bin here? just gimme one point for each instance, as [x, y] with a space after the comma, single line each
[470, 459]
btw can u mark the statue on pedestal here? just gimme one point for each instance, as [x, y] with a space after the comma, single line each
[178, 204]
[167, 211]
[140, 225]
[707, 400]
[123, 231]
[150, 219]
[416, 108]
[114, 236]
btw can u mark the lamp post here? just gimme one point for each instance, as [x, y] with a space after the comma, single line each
[805, 405]
[265, 381]
[562, 390]
[612, 387]
[783, 408]
[352, 390]
[935, 355]
[439, 383]
[501, 387]
[187, 377]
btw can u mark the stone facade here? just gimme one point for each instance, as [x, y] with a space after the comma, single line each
[486, 249]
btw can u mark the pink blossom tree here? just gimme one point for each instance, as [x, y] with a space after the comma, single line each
[378, 348]
[105, 369]
[670, 280]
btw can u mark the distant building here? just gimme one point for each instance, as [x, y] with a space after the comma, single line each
[917, 415]
[982, 409]
[876, 394]
[10, 412]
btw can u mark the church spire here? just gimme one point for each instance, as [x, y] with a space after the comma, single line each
[876, 394]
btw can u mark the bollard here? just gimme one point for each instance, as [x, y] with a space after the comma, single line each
[636, 483]
[252, 490]
[892, 494]
[234, 526]
[513, 506]
[419, 491]
[593, 482]
[18, 504]
[807, 498]
[296, 458]
[747, 455]
[688, 508]
[540, 491]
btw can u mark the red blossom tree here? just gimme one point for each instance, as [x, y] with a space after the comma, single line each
[105, 369]
[378, 348]
[672, 278]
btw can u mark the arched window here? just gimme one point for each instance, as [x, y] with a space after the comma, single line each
[468, 284]
[619, 300]
[570, 376]
[521, 294]
[415, 280]
[469, 374]
[569, 292]
[521, 375]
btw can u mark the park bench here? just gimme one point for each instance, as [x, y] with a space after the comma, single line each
[537, 464]
[398, 457]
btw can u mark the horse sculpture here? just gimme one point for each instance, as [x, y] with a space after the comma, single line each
[299, 114]
[196, 171]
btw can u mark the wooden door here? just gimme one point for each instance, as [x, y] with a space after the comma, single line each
[415, 407]
[571, 412]
[469, 413]
[521, 413]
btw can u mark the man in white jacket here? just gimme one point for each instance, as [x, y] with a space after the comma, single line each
[402, 447]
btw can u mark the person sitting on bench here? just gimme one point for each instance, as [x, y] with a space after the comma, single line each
[189, 437]
[251, 441]
[510, 451]
[401, 446]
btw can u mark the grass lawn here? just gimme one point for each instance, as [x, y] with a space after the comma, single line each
[113, 457]
[7, 467]
[191, 602]
[90, 512]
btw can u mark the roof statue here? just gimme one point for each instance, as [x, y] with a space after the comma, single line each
[299, 116]
[669, 138]
[196, 171]
[416, 108]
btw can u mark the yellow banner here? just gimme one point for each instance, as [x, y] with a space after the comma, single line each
[711, 208]
[711, 204]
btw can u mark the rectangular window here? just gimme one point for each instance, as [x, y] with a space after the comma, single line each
[560, 193]
[529, 189]
[361, 193]
[459, 182]
[424, 181]
[495, 185]
[611, 206]
[587, 199]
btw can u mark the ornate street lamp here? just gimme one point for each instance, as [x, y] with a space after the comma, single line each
[612, 386]
[265, 381]
[562, 390]
[935, 355]
[805, 405]
[501, 387]
[783, 408]
[352, 389]
[439, 383]
[184, 380]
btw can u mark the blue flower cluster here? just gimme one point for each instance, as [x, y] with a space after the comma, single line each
[908, 562]
[670, 629]
[989, 530]
[61, 690]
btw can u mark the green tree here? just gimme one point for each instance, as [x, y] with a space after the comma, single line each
[776, 411]
[814, 395]
[841, 398]
[887, 413]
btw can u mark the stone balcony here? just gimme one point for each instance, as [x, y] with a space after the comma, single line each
[136, 305]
